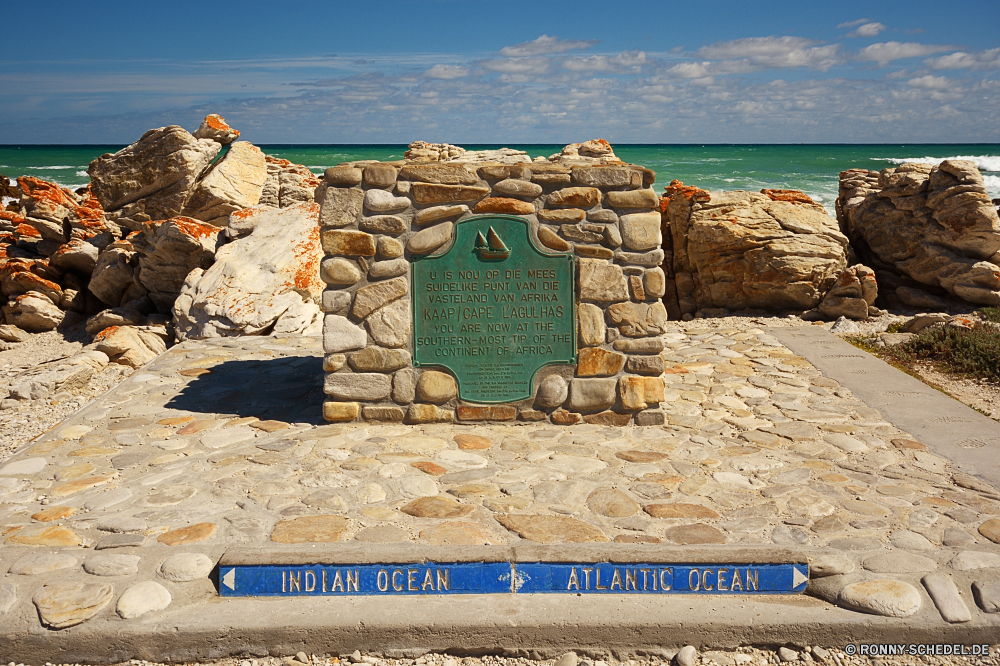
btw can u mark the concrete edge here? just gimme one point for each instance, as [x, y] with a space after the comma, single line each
[540, 625]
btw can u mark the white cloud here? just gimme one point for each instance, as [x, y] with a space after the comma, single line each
[885, 52]
[447, 72]
[546, 44]
[625, 61]
[930, 82]
[851, 24]
[989, 59]
[775, 52]
[518, 65]
[867, 30]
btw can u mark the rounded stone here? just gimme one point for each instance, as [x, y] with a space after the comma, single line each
[169, 495]
[112, 564]
[907, 540]
[190, 534]
[142, 598]
[695, 533]
[39, 563]
[473, 442]
[452, 459]
[436, 387]
[418, 486]
[552, 392]
[829, 564]
[437, 507]
[551, 529]
[991, 529]
[184, 567]
[309, 529]
[389, 248]
[891, 598]
[900, 563]
[457, 534]
[339, 271]
[687, 656]
[63, 605]
[23, 467]
[430, 239]
[612, 502]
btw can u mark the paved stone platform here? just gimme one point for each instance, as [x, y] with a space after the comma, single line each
[113, 522]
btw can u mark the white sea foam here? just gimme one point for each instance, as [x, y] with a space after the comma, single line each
[983, 162]
[83, 174]
[48, 168]
[992, 184]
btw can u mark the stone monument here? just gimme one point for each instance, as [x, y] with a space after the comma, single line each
[485, 291]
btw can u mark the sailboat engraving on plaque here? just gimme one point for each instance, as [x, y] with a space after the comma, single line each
[490, 247]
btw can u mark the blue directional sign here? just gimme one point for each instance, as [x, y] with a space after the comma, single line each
[604, 578]
[272, 580]
[365, 579]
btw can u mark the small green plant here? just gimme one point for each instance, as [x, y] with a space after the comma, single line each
[972, 352]
[990, 314]
[895, 327]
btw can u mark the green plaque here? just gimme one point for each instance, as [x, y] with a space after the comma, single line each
[494, 309]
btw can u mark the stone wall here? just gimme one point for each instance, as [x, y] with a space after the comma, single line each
[376, 217]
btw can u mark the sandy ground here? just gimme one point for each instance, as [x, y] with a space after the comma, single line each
[20, 424]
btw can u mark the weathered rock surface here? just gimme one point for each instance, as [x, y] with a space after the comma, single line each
[851, 295]
[932, 225]
[214, 127]
[167, 253]
[739, 250]
[234, 182]
[267, 281]
[154, 174]
[33, 312]
[131, 345]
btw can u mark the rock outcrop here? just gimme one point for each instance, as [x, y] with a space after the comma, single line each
[267, 280]
[740, 250]
[234, 182]
[152, 178]
[929, 227]
[852, 295]
[214, 127]
[168, 251]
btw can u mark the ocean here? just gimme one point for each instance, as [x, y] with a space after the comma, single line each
[812, 168]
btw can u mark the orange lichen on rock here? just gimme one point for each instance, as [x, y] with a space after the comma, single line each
[217, 122]
[26, 230]
[307, 279]
[45, 192]
[791, 196]
[689, 192]
[192, 228]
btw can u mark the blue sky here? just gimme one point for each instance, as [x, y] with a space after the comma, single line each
[505, 72]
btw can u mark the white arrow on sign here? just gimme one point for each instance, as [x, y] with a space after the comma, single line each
[798, 578]
[229, 580]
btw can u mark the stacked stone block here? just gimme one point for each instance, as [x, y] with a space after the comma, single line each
[377, 216]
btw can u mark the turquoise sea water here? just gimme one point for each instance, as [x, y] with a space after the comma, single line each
[812, 168]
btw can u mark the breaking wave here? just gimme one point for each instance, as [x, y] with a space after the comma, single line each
[983, 162]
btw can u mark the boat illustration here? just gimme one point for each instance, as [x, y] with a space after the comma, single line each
[490, 247]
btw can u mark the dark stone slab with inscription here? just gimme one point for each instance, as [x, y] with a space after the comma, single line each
[494, 309]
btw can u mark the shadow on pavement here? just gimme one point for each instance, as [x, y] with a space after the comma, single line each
[286, 389]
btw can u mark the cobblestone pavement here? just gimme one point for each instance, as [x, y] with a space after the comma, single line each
[127, 505]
